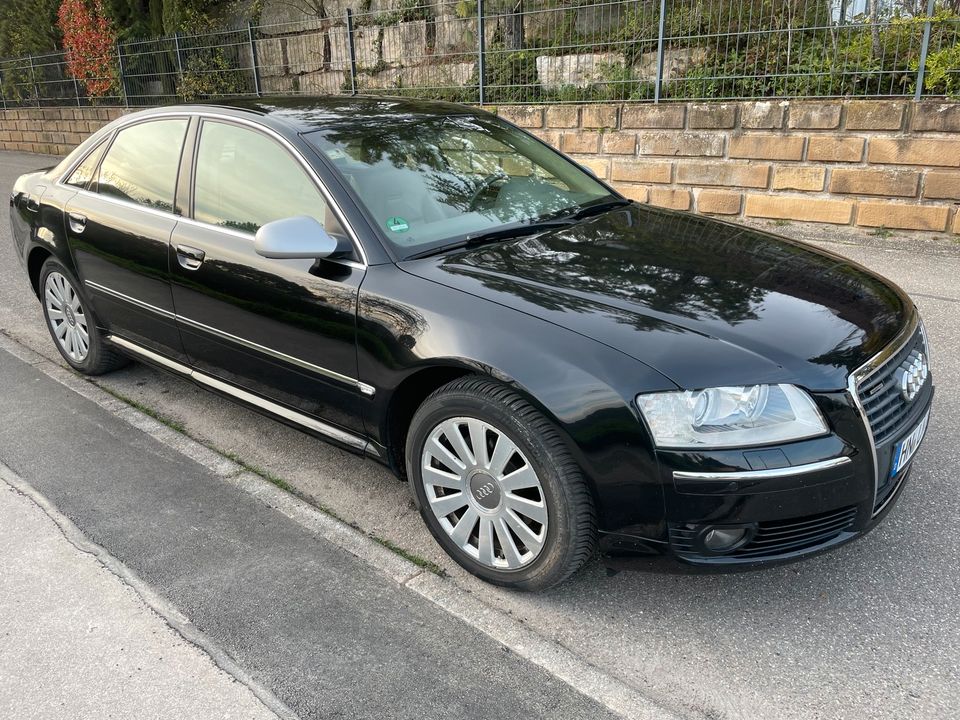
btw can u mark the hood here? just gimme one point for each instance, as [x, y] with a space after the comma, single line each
[701, 301]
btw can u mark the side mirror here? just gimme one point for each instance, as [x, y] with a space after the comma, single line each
[587, 170]
[294, 237]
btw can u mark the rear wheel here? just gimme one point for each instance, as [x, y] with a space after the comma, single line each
[72, 324]
[497, 486]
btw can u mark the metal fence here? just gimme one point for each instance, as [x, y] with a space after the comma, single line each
[501, 51]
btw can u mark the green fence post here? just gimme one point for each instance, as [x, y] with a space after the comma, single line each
[924, 48]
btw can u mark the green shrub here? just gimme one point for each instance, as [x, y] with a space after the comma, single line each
[210, 75]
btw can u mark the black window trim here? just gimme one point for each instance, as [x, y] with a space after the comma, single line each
[311, 174]
[95, 143]
[143, 121]
[102, 143]
[198, 116]
[110, 138]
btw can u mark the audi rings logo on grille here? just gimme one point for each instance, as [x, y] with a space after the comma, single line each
[484, 490]
[913, 374]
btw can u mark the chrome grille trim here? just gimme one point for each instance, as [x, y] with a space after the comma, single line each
[865, 372]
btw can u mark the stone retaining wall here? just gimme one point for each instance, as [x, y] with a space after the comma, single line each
[53, 131]
[873, 163]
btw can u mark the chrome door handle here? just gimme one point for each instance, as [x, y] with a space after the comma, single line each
[190, 258]
[78, 223]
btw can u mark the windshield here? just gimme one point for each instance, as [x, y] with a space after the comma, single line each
[431, 181]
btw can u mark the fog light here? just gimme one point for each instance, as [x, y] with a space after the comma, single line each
[720, 540]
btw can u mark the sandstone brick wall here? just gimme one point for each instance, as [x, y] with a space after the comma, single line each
[54, 131]
[873, 163]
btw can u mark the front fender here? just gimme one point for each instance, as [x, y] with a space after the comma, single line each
[406, 324]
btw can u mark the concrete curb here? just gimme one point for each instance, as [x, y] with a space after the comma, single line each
[552, 657]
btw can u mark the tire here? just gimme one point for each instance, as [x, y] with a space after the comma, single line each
[477, 504]
[74, 329]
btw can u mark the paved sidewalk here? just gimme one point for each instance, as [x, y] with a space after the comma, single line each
[316, 627]
[77, 642]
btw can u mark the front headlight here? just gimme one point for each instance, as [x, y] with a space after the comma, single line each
[731, 416]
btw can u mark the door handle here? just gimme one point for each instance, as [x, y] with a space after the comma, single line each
[78, 223]
[190, 258]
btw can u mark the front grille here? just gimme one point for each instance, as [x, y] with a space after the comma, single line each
[775, 538]
[880, 395]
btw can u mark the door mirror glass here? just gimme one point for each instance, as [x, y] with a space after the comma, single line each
[294, 237]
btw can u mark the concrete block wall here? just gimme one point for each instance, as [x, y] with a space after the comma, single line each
[52, 131]
[873, 163]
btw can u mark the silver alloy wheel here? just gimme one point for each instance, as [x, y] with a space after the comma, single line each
[66, 317]
[485, 493]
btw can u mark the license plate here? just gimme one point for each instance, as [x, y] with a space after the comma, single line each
[905, 449]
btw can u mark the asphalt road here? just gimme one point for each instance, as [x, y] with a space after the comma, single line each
[871, 630]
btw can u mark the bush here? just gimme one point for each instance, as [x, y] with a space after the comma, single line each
[209, 74]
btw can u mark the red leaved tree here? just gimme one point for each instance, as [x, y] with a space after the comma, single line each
[90, 42]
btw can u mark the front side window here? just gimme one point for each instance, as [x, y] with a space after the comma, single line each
[245, 179]
[427, 181]
[141, 164]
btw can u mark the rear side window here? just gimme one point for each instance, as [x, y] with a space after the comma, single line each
[141, 164]
[83, 173]
[244, 180]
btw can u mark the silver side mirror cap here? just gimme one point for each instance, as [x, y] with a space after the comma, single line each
[295, 237]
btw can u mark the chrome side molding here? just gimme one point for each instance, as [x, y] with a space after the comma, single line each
[343, 436]
[126, 298]
[363, 387]
[788, 471]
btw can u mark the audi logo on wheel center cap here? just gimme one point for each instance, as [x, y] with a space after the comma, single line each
[485, 491]
[913, 374]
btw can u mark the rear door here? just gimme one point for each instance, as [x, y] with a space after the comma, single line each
[282, 329]
[118, 227]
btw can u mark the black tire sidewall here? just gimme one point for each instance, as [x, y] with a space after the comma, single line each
[95, 348]
[550, 566]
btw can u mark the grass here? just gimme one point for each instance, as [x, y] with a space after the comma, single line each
[278, 482]
[159, 417]
[881, 232]
[415, 559]
[286, 486]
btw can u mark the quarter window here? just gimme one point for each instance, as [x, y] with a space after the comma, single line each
[245, 179]
[83, 173]
[141, 164]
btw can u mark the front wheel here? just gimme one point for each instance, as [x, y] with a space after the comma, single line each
[498, 487]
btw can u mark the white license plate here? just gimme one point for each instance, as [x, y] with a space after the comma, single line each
[905, 449]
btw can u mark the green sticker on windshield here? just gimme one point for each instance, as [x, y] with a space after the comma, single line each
[397, 224]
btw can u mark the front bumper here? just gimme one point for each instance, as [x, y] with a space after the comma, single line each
[794, 500]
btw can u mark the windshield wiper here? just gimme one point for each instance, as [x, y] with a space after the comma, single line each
[599, 207]
[491, 236]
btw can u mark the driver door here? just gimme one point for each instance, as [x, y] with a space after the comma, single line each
[284, 330]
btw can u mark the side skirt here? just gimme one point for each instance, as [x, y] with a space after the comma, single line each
[341, 437]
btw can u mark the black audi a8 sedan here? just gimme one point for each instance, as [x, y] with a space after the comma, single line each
[552, 368]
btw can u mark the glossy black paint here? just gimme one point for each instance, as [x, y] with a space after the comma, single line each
[703, 302]
[579, 320]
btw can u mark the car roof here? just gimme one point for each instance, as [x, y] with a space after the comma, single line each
[306, 114]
